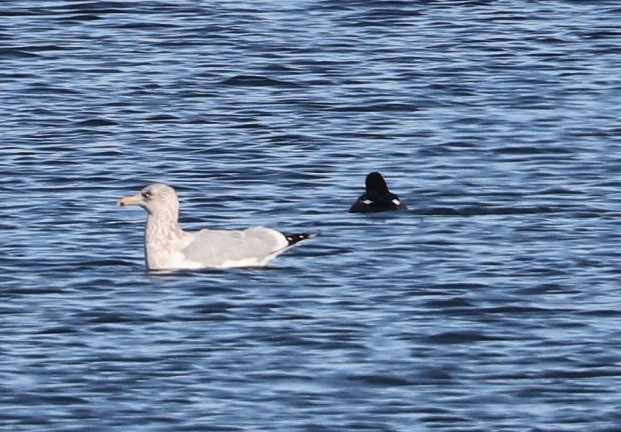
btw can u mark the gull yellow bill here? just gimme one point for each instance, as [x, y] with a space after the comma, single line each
[129, 201]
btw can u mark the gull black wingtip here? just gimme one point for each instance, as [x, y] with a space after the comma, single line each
[296, 238]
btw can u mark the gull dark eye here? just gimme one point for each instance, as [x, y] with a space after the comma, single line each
[146, 195]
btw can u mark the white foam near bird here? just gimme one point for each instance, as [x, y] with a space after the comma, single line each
[168, 247]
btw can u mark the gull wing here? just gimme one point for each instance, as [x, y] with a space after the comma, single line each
[221, 248]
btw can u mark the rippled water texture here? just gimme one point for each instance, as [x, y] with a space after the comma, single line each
[493, 304]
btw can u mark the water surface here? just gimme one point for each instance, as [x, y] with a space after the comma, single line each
[491, 305]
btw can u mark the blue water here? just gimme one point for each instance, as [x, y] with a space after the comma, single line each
[493, 304]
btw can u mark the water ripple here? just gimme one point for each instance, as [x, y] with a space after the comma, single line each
[492, 304]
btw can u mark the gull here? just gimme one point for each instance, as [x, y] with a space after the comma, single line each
[168, 247]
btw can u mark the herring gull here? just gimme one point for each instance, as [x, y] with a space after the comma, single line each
[168, 247]
[377, 197]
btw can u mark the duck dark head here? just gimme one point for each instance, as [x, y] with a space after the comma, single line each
[377, 197]
[376, 184]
